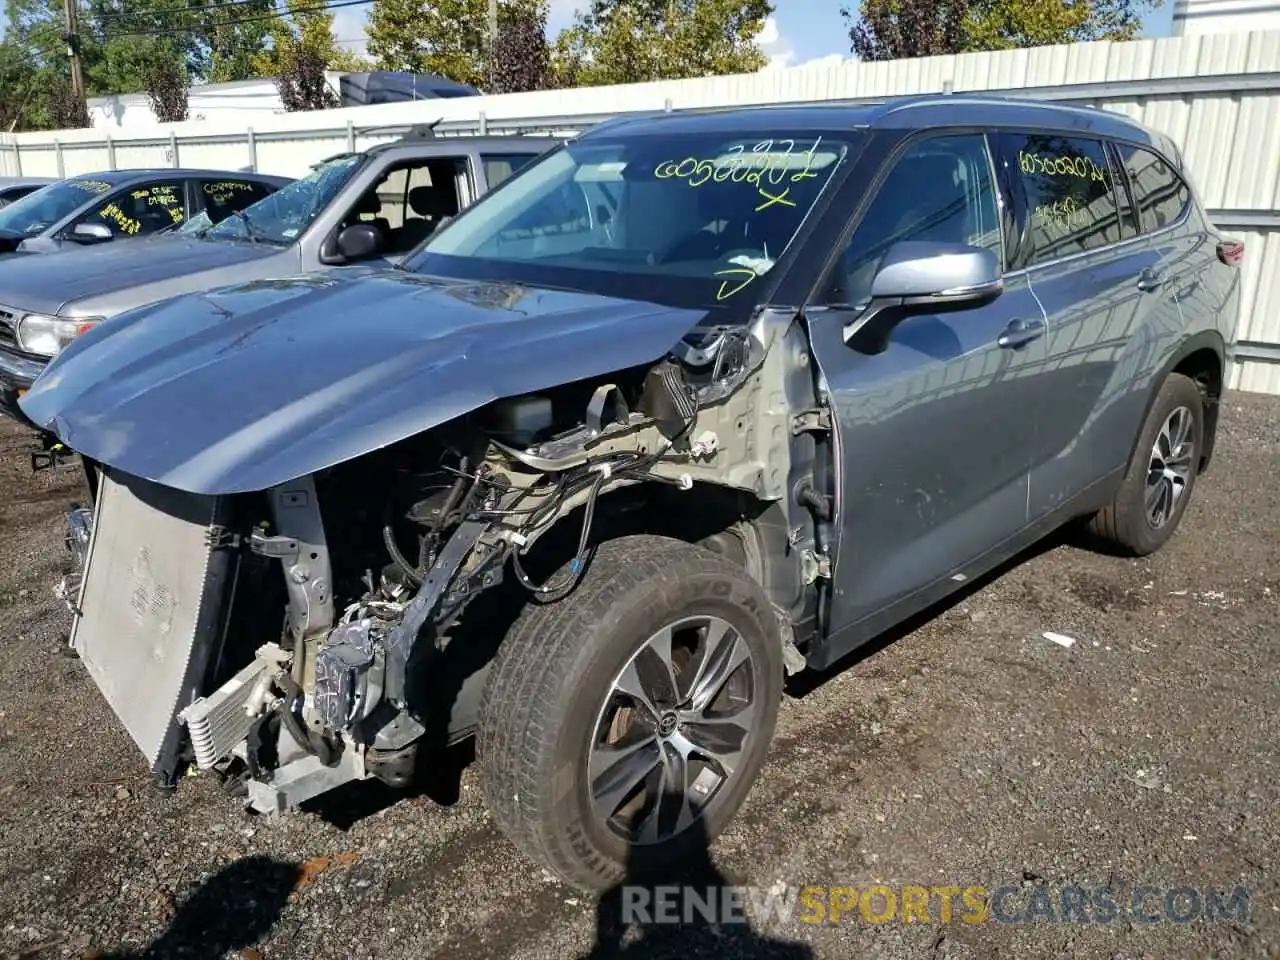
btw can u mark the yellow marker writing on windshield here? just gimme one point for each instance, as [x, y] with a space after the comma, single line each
[728, 288]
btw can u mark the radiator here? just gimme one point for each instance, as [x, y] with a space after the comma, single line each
[150, 605]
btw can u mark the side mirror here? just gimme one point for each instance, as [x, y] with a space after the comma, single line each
[91, 233]
[360, 241]
[921, 277]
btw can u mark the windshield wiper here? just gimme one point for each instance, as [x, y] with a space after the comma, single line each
[249, 229]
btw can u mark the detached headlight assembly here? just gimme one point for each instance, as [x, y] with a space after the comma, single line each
[48, 335]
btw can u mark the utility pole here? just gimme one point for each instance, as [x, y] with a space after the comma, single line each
[72, 37]
[493, 40]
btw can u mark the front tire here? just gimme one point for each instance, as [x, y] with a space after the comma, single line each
[623, 726]
[1162, 473]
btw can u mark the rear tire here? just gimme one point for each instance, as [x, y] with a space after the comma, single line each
[558, 712]
[1162, 473]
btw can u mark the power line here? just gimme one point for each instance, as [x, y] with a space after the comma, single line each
[279, 14]
[196, 10]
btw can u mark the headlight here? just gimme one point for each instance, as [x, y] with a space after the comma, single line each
[48, 335]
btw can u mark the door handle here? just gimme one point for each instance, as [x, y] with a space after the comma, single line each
[1150, 280]
[1019, 333]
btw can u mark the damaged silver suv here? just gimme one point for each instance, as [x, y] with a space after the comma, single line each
[694, 401]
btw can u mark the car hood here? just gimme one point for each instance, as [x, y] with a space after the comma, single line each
[247, 387]
[52, 284]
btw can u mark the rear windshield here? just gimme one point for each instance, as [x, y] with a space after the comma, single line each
[37, 212]
[690, 219]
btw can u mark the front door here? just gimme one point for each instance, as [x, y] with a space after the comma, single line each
[935, 433]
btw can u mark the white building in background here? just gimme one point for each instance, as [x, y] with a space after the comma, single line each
[241, 99]
[1195, 17]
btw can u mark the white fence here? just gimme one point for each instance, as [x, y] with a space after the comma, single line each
[1218, 96]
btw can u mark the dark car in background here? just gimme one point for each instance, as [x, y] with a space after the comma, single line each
[119, 205]
[359, 208]
[15, 188]
[695, 401]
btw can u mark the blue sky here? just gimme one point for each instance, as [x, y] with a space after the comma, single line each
[812, 29]
[801, 31]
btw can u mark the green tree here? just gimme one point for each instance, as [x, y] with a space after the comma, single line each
[520, 59]
[447, 38]
[632, 41]
[889, 29]
[306, 30]
[892, 29]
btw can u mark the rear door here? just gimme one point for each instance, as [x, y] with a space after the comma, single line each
[1090, 269]
[936, 431]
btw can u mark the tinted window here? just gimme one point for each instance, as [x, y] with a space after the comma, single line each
[16, 193]
[225, 197]
[689, 217]
[939, 190]
[1159, 194]
[1067, 187]
[497, 169]
[141, 210]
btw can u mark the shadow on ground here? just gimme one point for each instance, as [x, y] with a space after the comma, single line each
[625, 927]
[235, 908]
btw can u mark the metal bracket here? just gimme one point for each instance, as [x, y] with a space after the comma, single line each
[264, 545]
[817, 420]
[302, 552]
[814, 566]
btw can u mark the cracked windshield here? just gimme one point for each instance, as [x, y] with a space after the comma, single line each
[693, 220]
[283, 216]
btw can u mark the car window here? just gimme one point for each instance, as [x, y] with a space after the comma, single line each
[281, 217]
[688, 217]
[409, 202]
[10, 194]
[1158, 192]
[37, 212]
[141, 210]
[223, 197]
[500, 168]
[1066, 184]
[940, 190]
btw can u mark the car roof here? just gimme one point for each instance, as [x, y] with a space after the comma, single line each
[118, 177]
[894, 113]
[441, 144]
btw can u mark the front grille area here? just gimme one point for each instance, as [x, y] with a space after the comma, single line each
[149, 608]
[8, 327]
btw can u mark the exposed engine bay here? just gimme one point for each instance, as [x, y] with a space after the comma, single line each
[323, 631]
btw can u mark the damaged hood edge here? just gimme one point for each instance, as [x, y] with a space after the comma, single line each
[249, 387]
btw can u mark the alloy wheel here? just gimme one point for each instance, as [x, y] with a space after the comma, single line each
[673, 730]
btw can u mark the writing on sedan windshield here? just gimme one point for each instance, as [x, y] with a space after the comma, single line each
[1082, 167]
[764, 166]
[90, 186]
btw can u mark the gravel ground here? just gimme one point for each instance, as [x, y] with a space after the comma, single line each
[967, 751]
